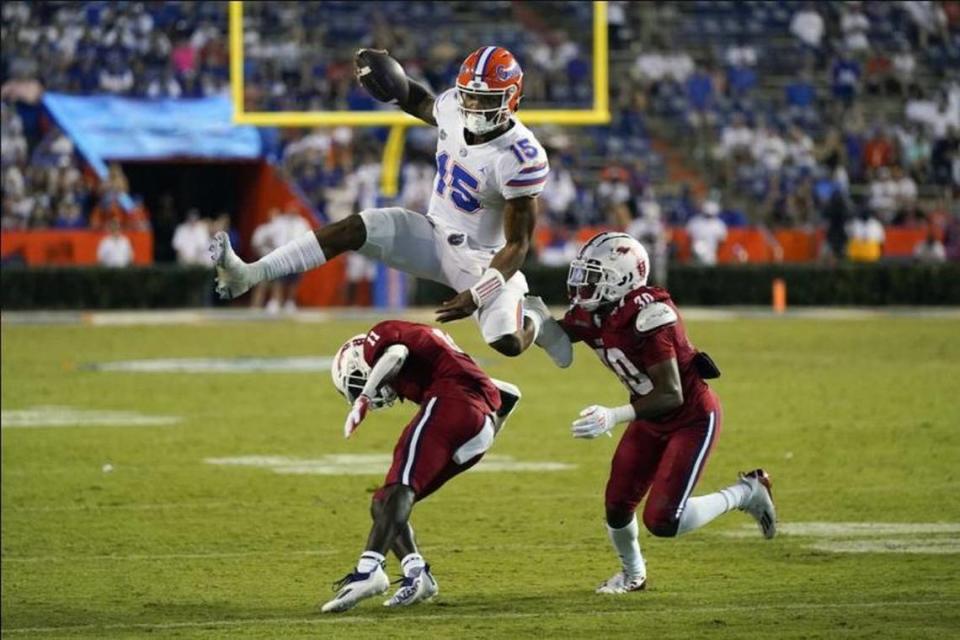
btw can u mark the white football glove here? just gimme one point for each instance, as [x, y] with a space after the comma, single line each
[361, 406]
[594, 421]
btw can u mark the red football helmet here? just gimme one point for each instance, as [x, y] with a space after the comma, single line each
[489, 87]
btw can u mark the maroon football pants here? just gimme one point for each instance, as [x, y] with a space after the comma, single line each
[423, 457]
[667, 461]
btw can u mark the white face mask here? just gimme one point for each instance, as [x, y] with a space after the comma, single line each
[477, 123]
[487, 117]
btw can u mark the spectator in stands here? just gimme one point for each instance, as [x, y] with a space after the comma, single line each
[799, 149]
[706, 232]
[418, 185]
[915, 150]
[265, 239]
[854, 25]
[649, 229]
[613, 196]
[69, 216]
[701, 93]
[904, 67]
[801, 204]
[879, 150]
[883, 196]
[769, 148]
[866, 238]
[807, 25]
[836, 214]
[801, 98]
[905, 195]
[930, 250]
[845, 76]
[928, 19]
[741, 54]
[116, 76]
[291, 226]
[359, 276]
[191, 240]
[736, 143]
[945, 160]
[114, 249]
[559, 195]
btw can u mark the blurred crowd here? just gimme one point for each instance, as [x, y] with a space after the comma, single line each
[299, 55]
[144, 49]
[45, 186]
[842, 117]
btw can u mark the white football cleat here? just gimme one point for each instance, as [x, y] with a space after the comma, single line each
[233, 274]
[552, 338]
[509, 399]
[759, 503]
[355, 587]
[419, 587]
[621, 584]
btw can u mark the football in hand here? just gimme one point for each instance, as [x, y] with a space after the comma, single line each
[381, 75]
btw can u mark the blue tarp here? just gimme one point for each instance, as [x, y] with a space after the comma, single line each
[114, 128]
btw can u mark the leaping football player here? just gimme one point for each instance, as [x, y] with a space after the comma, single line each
[480, 221]
[461, 411]
[673, 417]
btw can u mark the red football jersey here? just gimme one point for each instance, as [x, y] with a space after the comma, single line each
[436, 366]
[629, 353]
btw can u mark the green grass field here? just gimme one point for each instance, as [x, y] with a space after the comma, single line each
[856, 420]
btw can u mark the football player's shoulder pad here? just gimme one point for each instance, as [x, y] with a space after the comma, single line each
[654, 316]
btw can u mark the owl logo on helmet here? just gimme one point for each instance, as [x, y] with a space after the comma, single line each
[607, 268]
[489, 88]
[350, 372]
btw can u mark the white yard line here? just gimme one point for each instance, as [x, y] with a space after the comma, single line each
[215, 555]
[429, 617]
[149, 557]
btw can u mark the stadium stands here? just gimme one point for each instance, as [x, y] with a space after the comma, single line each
[786, 115]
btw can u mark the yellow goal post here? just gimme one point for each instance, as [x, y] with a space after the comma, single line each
[398, 121]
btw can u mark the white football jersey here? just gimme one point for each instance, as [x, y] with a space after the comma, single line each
[474, 181]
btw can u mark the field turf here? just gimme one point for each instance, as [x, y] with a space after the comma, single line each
[129, 531]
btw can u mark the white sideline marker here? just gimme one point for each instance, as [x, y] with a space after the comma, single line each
[70, 417]
[365, 464]
[937, 538]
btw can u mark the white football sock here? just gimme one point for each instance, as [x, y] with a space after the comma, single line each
[702, 509]
[296, 256]
[625, 543]
[411, 562]
[536, 320]
[369, 561]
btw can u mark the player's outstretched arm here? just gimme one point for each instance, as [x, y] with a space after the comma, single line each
[666, 396]
[519, 219]
[384, 79]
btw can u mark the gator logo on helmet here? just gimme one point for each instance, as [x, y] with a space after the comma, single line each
[505, 73]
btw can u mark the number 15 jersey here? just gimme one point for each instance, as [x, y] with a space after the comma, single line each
[474, 181]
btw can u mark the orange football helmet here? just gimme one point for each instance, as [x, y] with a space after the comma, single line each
[489, 88]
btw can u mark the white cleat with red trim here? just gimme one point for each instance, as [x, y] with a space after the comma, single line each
[759, 503]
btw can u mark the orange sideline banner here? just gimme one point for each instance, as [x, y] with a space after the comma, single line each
[750, 244]
[76, 247]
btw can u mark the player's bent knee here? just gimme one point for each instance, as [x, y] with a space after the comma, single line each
[509, 345]
[348, 234]
[619, 515]
[661, 525]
